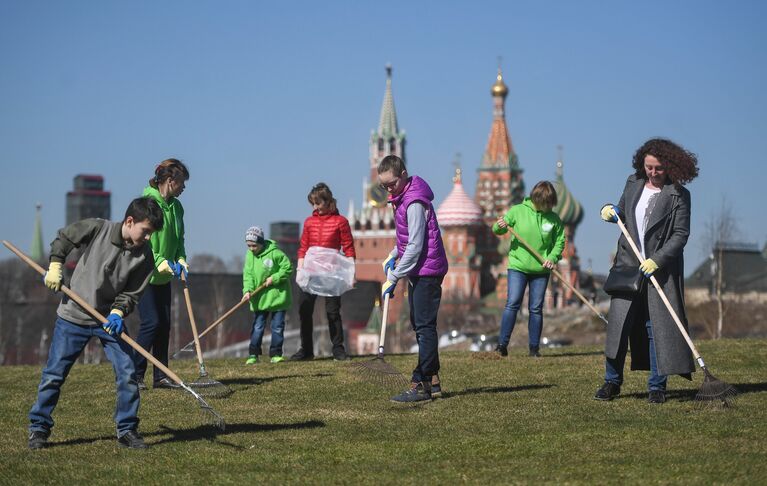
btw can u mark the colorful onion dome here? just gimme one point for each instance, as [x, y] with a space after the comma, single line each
[568, 208]
[458, 208]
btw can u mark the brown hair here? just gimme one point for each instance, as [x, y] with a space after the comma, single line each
[392, 163]
[681, 165]
[544, 195]
[321, 193]
[168, 169]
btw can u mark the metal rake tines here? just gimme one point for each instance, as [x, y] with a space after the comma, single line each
[715, 392]
[209, 387]
[209, 413]
[184, 353]
[379, 371]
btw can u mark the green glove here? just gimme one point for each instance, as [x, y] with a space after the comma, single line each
[648, 267]
[53, 276]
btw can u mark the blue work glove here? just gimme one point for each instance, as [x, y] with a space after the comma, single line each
[610, 213]
[177, 268]
[388, 264]
[648, 267]
[388, 288]
[184, 265]
[114, 324]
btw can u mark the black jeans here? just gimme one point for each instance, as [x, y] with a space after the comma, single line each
[424, 296]
[154, 333]
[335, 327]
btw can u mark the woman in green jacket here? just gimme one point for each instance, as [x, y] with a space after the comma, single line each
[539, 226]
[265, 264]
[165, 187]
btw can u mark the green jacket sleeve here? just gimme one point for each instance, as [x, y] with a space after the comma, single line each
[248, 281]
[181, 249]
[74, 236]
[559, 244]
[509, 218]
[283, 268]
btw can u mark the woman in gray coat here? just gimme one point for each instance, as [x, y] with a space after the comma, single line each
[656, 211]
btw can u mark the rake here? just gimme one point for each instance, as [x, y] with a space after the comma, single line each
[558, 275]
[713, 390]
[377, 369]
[190, 346]
[209, 414]
[206, 385]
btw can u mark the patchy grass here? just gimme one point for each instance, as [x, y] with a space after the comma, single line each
[515, 420]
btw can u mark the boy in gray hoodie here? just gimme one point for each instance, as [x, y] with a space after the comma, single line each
[114, 269]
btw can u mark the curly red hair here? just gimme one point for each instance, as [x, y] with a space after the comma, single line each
[681, 165]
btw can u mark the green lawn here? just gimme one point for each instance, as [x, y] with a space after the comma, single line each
[515, 420]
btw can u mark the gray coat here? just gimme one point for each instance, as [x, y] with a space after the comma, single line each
[664, 241]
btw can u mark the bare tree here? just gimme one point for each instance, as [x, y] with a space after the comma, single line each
[721, 227]
[207, 263]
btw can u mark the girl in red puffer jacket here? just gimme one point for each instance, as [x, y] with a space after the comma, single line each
[328, 229]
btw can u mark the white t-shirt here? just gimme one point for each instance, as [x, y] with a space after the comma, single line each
[643, 211]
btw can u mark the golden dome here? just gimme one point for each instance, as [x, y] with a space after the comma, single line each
[499, 88]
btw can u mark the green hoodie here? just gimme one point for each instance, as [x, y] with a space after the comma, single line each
[271, 262]
[167, 244]
[542, 231]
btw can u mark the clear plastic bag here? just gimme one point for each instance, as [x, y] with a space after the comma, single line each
[326, 272]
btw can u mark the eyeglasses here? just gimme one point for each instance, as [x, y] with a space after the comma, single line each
[389, 185]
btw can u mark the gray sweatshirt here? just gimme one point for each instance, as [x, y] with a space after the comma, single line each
[109, 275]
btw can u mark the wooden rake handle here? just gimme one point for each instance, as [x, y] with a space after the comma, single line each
[384, 319]
[556, 273]
[662, 296]
[96, 314]
[188, 300]
[231, 311]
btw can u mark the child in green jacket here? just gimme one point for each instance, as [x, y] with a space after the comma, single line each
[266, 264]
[540, 227]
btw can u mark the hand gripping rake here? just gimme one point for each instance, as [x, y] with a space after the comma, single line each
[712, 389]
[210, 415]
[190, 346]
[558, 275]
[377, 369]
[206, 385]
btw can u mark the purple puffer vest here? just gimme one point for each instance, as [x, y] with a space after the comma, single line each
[433, 261]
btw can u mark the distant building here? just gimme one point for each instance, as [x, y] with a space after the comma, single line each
[88, 199]
[744, 275]
[287, 235]
[37, 251]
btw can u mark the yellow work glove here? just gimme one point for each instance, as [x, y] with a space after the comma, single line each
[609, 213]
[165, 269]
[648, 267]
[388, 264]
[388, 288]
[54, 276]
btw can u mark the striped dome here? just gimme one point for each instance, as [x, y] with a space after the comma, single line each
[568, 208]
[458, 209]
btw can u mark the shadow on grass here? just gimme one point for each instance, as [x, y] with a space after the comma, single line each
[202, 432]
[494, 389]
[689, 394]
[568, 355]
[259, 381]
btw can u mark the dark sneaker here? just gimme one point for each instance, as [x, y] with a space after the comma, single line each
[132, 440]
[534, 353]
[436, 387]
[418, 392]
[340, 355]
[302, 355]
[607, 392]
[141, 384]
[502, 350]
[38, 439]
[166, 383]
[656, 396]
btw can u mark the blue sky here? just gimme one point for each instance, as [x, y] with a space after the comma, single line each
[264, 99]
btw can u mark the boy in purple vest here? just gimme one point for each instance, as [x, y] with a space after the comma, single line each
[419, 256]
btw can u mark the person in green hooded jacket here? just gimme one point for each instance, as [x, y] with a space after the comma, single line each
[266, 265]
[165, 187]
[535, 222]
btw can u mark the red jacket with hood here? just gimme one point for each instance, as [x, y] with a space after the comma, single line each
[329, 230]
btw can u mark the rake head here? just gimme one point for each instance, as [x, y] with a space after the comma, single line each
[209, 414]
[186, 352]
[715, 392]
[208, 387]
[377, 370]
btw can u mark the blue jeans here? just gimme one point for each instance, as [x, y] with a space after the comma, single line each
[257, 334]
[424, 297]
[517, 281]
[614, 367]
[154, 333]
[68, 342]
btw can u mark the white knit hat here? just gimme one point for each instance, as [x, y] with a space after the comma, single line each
[255, 234]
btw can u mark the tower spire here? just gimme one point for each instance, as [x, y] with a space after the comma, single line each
[36, 252]
[387, 126]
[388, 139]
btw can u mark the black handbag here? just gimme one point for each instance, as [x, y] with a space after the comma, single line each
[624, 280]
